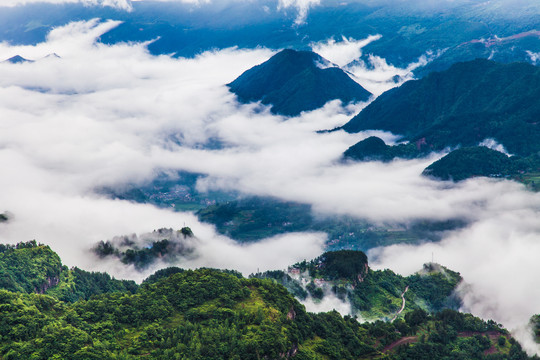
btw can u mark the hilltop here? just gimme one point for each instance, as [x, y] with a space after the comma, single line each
[294, 81]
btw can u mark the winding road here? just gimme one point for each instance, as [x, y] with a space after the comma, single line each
[402, 304]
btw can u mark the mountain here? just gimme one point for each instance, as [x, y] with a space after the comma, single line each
[371, 294]
[375, 149]
[295, 81]
[468, 162]
[34, 268]
[17, 59]
[463, 105]
[145, 250]
[213, 314]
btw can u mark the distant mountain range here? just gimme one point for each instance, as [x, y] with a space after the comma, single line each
[463, 105]
[295, 81]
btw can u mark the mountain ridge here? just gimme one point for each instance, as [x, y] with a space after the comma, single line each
[463, 105]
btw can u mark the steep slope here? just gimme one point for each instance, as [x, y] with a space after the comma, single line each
[30, 267]
[464, 105]
[295, 81]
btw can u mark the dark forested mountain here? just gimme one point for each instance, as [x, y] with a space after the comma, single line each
[471, 161]
[464, 105]
[142, 251]
[213, 314]
[295, 81]
[474, 161]
[374, 148]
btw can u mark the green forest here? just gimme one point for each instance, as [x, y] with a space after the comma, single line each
[213, 314]
[373, 294]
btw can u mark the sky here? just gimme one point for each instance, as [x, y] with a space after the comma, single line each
[100, 115]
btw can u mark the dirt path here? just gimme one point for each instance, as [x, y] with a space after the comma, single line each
[402, 341]
[402, 304]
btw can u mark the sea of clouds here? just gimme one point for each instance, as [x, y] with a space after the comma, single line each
[96, 115]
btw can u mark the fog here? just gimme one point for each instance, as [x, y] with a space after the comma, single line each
[371, 71]
[100, 115]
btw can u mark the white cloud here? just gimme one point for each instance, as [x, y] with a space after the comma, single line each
[328, 303]
[342, 52]
[494, 145]
[497, 258]
[301, 6]
[377, 76]
[534, 56]
[374, 74]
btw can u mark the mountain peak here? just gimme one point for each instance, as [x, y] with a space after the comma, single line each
[17, 59]
[295, 81]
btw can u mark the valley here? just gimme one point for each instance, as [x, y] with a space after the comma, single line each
[275, 179]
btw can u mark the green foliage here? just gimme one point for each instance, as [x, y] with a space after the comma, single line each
[214, 314]
[435, 285]
[29, 267]
[202, 314]
[343, 264]
[34, 268]
[372, 294]
[161, 274]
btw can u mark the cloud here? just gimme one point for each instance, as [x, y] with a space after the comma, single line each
[302, 6]
[373, 73]
[328, 303]
[494, 145]
[533, 56]
[496, 256]
[118, 4]
[377, 76]
[114, 115]
[342, 52]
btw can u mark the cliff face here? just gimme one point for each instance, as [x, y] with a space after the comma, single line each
[364, 273]
[50, 282]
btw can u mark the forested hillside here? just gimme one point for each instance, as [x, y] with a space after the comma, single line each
[372, 294]
[463, 105]
[213, 314]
